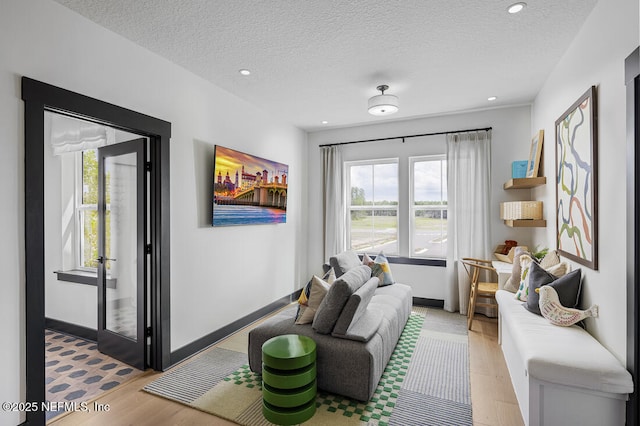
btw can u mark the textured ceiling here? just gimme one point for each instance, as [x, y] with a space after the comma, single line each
[322, 59]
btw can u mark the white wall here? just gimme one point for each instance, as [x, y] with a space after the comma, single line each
[217, 275]
[596, 57]
[511, 138]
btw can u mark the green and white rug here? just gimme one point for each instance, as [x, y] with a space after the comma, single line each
[425, 383]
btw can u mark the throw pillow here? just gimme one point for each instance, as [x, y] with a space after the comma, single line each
[366, 260]
[344, 261]
[568, 287]
[381, 270]
[550, 259]
[559, 270]
[523, 289]
[317, 293]
[329, 277]
[513, 282]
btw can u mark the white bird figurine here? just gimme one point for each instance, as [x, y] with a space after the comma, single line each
[557, 314]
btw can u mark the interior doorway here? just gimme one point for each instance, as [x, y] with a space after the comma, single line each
[39, 98]
[96, 217]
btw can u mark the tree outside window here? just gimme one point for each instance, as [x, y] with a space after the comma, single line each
[87, 212]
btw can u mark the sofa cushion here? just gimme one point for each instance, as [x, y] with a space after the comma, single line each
[364, 328]
[344, 261]
[337, 296]
[567, 286]
[355, 306]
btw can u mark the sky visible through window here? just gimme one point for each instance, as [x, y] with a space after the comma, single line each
[428, 180]
[384, 178]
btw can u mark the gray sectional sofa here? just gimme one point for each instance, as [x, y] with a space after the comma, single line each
[356, 329]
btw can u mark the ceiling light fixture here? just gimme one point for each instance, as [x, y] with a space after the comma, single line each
[516, 7]
[383, 104]
[492, 98]
[325, 122]
[244, 72]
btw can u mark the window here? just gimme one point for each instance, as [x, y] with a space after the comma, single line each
[372, 203]
[407, 219]
[87, 210]
[428, 205]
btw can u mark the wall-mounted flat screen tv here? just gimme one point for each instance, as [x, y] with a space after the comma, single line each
[248, 190]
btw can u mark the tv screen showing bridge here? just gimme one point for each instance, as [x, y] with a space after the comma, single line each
[248, 189]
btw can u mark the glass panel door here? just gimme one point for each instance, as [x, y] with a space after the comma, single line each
[121, 254]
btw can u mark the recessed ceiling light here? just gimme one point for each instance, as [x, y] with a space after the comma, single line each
[492, 98]
[244, 72]
[325, 122]
[516, 7]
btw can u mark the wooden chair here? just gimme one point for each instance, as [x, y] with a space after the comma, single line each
[474, 268]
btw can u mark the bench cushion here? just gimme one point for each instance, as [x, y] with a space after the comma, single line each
[568, 356]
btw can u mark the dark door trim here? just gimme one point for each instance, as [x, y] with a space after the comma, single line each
[632, 81]
[38, 97]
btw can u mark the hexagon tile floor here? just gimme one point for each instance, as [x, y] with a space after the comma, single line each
[76, 371]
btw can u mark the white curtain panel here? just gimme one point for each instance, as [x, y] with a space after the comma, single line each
[468, 224]
[333, 201]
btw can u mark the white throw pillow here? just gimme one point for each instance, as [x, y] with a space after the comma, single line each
[523, 289]
[318, 291]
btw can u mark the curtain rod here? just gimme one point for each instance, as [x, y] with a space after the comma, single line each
[406, 137]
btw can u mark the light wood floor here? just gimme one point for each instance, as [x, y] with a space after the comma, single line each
[493, 400]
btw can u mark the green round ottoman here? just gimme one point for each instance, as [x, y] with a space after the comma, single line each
[289, 379]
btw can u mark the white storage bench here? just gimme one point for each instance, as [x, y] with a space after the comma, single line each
[561, 375]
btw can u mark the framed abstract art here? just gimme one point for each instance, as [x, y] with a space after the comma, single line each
[576, 181]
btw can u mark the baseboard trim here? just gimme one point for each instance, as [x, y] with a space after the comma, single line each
[432, 303]
[72, 329]
[204, 342]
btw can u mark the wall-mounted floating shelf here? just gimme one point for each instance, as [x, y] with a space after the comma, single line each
[525, 183]
[526, 223]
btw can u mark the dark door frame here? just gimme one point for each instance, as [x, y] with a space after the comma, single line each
[632, 81]
[39, 97]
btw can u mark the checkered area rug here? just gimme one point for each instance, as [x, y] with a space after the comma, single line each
[426, 382]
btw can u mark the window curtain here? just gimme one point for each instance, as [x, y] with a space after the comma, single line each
[468, 222]
[71, 135]
[333, 202]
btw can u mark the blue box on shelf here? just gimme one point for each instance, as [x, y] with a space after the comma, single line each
[519, 169]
